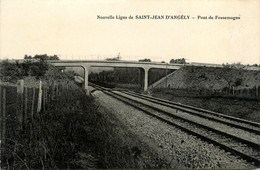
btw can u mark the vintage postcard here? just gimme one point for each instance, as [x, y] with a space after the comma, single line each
[131, 84]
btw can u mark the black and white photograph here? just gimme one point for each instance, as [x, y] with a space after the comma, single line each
[129, 84]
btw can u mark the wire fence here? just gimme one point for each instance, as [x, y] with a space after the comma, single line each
[25, 114]
[18, 104]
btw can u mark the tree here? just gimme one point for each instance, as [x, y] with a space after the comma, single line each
[54, 57]
[227, 75]
[118, 58]
[27, 57]
[145, 60]
[9, 72]
[42, 57]
[178, 61]
[113, 59]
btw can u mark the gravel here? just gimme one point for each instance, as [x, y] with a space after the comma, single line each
[171, 142]
[217, 116]
[216, 125]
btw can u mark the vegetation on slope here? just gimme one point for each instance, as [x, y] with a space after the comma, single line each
[192, 77]
[226, 90]
[69, 133]
[53, 137]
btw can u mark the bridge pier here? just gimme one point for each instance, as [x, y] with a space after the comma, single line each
[146, 70]
[86, 70]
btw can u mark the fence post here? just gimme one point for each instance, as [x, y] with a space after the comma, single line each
[52, 90]
[20, 108]
[3, 117]
[39, 98]
[57, 90]
[32, 111]
[1, 114]
[44, 98]
[256, 87]
[33, 103]
[47, 97]
[25, 103]
[20, 86]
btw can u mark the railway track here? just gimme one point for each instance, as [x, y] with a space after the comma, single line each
[246, 125]
[237, 145]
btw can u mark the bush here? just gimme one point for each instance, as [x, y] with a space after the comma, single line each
[42, 57]
[178, 61]
[238, 82]
[145, 60]
[11, 72]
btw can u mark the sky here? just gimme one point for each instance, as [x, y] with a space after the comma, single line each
[70, 29]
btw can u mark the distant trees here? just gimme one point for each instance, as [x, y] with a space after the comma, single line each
[238, 65]
[113, 59]
[27, 57]
[145, 60]
[233, 65]
[11, 72]
[118, 58]
[54, 57]
[178, 61]
[42, 57]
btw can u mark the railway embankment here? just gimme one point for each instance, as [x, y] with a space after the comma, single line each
[46, 134]
[230, 91]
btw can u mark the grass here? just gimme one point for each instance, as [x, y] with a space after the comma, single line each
[246, 108]
[53, 138]
[69, 133]
[75, 132]
[118, 147]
